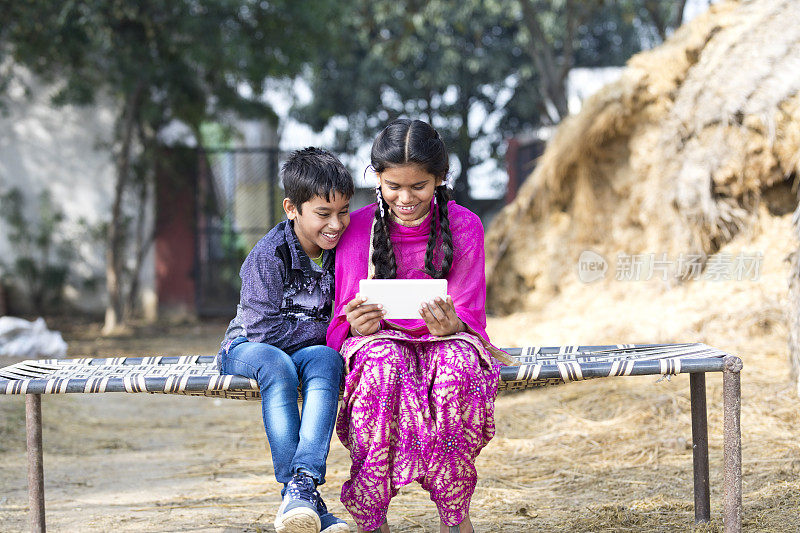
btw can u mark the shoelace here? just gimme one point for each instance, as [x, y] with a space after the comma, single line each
[304, 488]
[321, 507]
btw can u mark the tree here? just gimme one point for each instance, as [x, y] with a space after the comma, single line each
[505, 60]
[432, 59]
[557, 33]
[158, 61]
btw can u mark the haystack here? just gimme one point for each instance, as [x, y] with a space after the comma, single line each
[696, 143]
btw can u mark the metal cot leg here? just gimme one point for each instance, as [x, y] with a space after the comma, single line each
[702, 495]
[732, 444]
[33, 428]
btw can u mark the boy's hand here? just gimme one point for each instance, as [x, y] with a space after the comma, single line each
[441, 318]
[363, 319]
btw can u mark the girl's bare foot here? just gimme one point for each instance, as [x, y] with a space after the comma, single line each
[464, 527]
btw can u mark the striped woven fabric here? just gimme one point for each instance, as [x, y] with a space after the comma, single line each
[540, 366]
[197, 375]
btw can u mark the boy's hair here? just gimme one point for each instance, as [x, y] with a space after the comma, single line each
[314, 172]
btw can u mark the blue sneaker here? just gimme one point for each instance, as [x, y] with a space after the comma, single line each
[298, 510]
[328, 522]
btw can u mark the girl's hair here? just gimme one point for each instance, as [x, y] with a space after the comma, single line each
[405, 142]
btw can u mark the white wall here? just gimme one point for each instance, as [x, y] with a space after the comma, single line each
[65, 150]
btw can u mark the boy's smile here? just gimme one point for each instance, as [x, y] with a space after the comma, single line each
[319, 223]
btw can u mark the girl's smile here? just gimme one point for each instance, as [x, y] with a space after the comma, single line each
[406, 209]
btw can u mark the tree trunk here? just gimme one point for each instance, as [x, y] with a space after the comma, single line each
[143, 238]
[114, 235]
[462, 149]
[665, 23]
[552, 75]
[143, 243]
[461, 190]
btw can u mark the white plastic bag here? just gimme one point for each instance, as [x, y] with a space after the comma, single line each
[30, 340]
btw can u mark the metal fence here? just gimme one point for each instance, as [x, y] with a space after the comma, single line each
[239, 200]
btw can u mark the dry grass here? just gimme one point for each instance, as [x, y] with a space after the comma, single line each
[603, 455]
[616, 454]
[675, 157]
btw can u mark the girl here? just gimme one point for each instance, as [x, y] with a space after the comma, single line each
[419, 394]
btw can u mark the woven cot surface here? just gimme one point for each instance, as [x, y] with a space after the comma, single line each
[197, 375]
[194, 375]
[541, 366]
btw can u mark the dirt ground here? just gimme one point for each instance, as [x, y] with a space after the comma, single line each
[607, 455]
[604, 455]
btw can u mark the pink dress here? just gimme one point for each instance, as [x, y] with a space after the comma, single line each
[416, 407]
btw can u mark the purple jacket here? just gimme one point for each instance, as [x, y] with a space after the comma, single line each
[286, 298]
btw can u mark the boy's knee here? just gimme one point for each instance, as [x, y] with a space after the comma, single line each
[270, 364]
[328, 362]
[283, 371]
[333, 363]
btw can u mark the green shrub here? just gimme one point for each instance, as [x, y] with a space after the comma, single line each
[43, 253]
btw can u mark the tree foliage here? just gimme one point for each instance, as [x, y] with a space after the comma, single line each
[432, 59]
[159, 61]
[449, 63]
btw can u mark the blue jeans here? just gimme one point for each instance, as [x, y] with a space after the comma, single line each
[296, 442]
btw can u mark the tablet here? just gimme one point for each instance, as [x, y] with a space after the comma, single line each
[402, 298]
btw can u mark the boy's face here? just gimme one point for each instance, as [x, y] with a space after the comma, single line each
[321, 223]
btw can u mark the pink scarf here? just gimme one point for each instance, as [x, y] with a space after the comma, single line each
[466, 282]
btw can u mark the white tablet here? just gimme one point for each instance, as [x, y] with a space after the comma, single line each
[402, 298]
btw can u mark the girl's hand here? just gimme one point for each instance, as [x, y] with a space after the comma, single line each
[440, 317]
[363, 319]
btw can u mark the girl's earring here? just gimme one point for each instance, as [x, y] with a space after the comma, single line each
[379, 196]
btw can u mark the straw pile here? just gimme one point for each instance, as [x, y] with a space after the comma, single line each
[696, 143]
[794, 304]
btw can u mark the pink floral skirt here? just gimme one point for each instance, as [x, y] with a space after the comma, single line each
[415, 409]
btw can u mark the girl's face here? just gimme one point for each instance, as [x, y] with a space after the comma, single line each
[408, 190]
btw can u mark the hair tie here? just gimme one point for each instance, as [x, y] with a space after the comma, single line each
[379, 196]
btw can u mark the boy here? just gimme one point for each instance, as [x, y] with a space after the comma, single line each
[278, 334]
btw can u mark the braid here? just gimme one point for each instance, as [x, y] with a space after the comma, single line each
[382, 250]
[444, 226]
[430, 269]
[446, 237]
